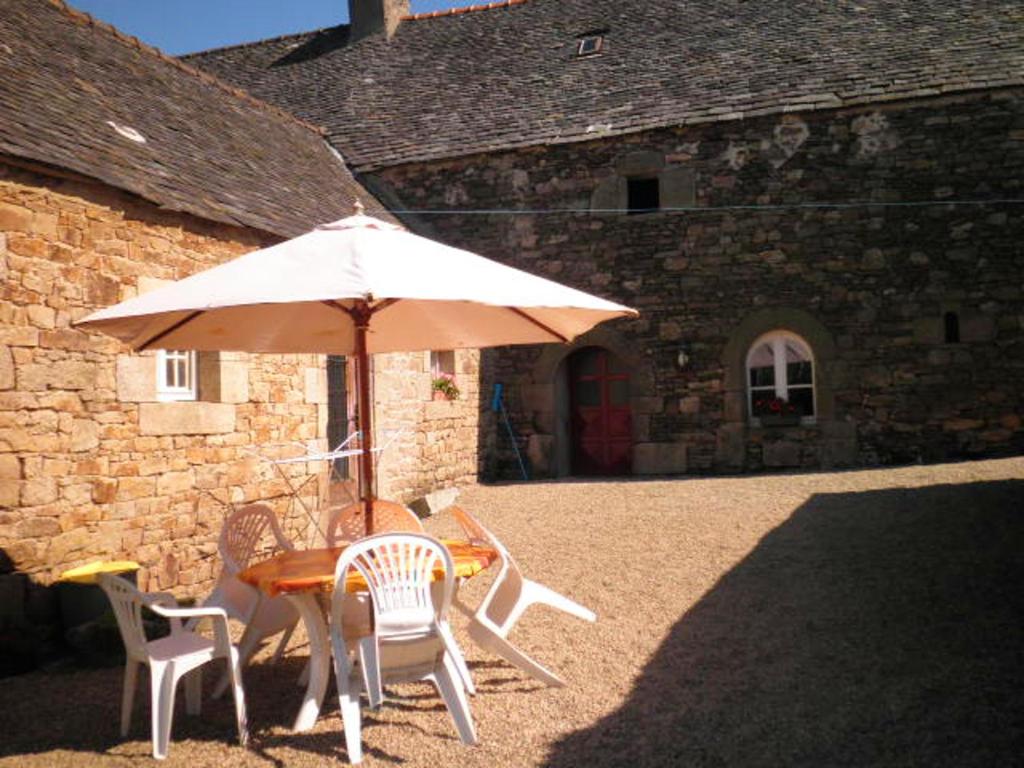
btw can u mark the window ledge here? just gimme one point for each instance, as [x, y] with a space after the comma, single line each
[805, 421]
[186, 417]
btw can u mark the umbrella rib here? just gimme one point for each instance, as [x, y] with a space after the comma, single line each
[172, 329]
[373, 310]
[335, 305]
[539, 324]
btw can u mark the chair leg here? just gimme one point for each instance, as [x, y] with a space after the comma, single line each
[161, 705]
[348, 702]
[131, 678]
[369, 660]
[194, 691]
[247, 647]
[249, 643]
[538, 593]
[457, 657]
[235, 673]
[446, 678]
[285, 637]
[491, 641]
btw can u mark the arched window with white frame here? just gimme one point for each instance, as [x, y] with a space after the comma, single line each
[780, 377]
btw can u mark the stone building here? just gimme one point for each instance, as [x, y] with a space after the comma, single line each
[121, 168]
[815, 206]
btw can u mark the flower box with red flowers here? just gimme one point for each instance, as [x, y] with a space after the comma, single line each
[776, 412]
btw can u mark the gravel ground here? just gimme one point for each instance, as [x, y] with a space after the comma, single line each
[856, 618]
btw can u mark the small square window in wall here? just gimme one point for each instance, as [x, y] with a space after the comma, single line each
[442, 375]
[176, 374]
[442, 363]
[642, 195]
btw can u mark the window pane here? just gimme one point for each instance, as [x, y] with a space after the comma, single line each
[798, 373]
[802, 398]
[442, 362]
[642, 195]
[795, 351]
[762, 377]
[762, 356]
[169, 366]
[760, 400]
[588, 393]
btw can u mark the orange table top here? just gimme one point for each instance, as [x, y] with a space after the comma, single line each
[308, 570]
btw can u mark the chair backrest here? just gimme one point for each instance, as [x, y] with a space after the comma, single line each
[477, 534]
[242, 533]
[348, 523]
[509, 582]
[126, 601]
[399, 569]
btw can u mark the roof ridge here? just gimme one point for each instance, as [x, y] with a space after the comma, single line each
[255, 43]
[82, 17]
[464, 9]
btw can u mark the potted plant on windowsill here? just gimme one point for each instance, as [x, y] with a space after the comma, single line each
[777, 412]
[444, 388]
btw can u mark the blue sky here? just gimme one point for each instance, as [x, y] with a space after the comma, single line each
[183, 26]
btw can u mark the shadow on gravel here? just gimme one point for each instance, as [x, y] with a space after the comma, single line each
[877, 628]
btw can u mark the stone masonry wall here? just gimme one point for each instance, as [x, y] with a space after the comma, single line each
[437, 445]
[94, 466]
[857, 228]
[91, 465]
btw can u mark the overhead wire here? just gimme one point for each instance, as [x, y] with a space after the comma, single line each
[756, 207]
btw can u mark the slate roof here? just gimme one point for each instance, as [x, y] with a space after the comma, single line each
[506, 75]
[210, 150]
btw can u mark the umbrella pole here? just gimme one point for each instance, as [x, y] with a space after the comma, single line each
[361, 314]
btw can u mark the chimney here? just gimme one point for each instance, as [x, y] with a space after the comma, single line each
[371, 17]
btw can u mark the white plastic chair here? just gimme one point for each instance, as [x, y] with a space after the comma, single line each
[240, 540]
[411, 640]
[509, 596]
[169, 658]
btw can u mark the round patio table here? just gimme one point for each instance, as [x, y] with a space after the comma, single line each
[302, 574]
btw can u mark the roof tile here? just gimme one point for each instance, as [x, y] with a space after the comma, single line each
[505, 75]
[79, 95]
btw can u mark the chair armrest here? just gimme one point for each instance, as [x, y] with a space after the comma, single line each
[189, 613]
[218, 617]
[159, 598]
[161, 602]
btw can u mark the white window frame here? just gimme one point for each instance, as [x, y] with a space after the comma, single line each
[176, 390]
[777, 339]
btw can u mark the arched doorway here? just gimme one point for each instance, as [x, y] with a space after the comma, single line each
[601, 419]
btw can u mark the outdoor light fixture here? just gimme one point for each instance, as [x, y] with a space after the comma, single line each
[682, 357]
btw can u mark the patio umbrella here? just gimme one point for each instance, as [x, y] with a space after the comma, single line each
[357, 286]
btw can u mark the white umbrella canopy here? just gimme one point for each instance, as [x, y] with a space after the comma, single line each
[356, 286]
[296, 297]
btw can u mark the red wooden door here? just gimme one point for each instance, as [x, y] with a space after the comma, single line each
[602, 421]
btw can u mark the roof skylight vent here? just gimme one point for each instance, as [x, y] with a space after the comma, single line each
[128, 132]
[589, 45]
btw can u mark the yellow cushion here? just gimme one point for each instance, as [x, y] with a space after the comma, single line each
[86, 574]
